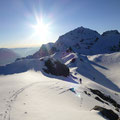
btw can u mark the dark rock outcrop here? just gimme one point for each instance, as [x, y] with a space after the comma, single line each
[108, 113]
[55, 67]
[105, 97]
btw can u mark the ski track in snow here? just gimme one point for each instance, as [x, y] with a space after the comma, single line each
[6, 115]
[60, 88]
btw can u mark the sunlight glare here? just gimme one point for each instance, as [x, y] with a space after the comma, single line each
[41, 29]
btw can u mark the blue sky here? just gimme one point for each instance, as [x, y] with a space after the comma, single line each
[17, 16]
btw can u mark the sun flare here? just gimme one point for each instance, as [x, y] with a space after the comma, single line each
[41, 29]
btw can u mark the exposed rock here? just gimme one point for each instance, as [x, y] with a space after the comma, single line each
[87, 93]
[97, 98]
[73, 60]
[55, 67]
[111, 32]
[108, 113]
[105, 97]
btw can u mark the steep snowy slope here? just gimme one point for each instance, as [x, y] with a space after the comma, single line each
[112, 63]
[86, 41]
[7, 56]
[108, 43]
[79, 62]
[80, 39]
[43, 51]
[84, 67]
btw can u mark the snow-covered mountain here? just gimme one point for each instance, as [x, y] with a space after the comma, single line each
[10, 55]
[71, 79]
[80, 40]
[86, 41]
[108, 43]
[7, 56]
[43, 51]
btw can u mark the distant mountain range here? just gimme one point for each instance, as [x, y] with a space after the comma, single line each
[23, 52]
[7, 56]
[10, 55]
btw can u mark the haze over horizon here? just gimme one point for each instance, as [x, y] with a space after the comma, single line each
[29, 23]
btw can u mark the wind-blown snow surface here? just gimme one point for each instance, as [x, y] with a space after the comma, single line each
[81, 65]
[85, 68]
[111, 62]
[33, 96]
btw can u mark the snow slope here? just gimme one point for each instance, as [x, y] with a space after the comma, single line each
[81, 65]
[112, 63]
[86, 68]
[43, 51]
[33, 96]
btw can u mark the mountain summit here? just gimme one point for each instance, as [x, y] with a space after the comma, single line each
[85, 41]
[80, 40]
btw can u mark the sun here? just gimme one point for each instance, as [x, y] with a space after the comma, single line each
[41, 29]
